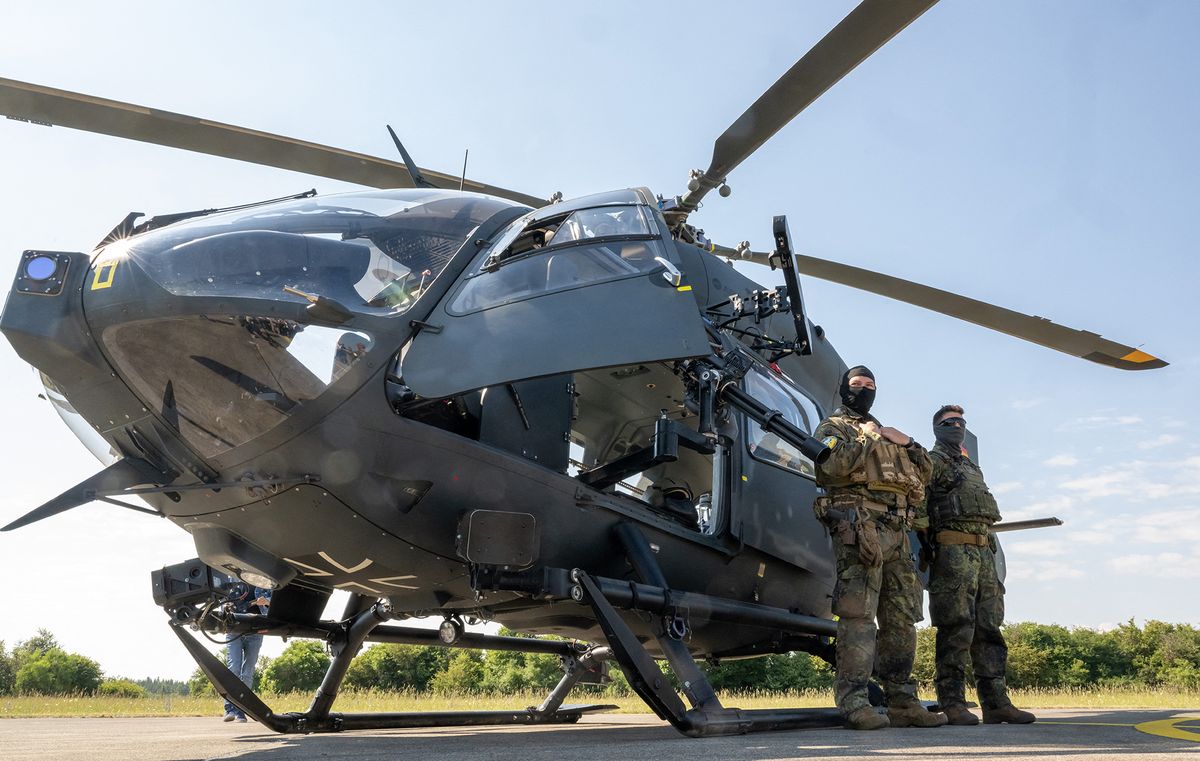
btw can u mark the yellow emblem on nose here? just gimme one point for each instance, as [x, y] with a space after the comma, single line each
[103, 277]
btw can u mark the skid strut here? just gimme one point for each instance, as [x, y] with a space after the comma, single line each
[707, 717]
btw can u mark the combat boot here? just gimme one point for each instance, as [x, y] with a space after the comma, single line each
[866, 718]
[1008, 714]
[959, 716]
[914, 715]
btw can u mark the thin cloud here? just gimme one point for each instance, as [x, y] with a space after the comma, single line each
[1089, 422]
[1006, 487]
[1062, 461]
[1025, 404]
[1104, 484]
[1055, 505]
[1164, 440]
[1168, 565]
[1044, 570]
[1016, 545]
[1167, 527]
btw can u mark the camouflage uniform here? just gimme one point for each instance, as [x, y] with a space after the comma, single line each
[966, 599]
[874, 492]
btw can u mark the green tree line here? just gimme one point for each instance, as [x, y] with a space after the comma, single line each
[1156, 654]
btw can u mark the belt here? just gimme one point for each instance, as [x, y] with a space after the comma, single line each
[959, 537]
[855, 501]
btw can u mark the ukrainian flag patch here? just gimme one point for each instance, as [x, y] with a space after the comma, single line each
[830, 441]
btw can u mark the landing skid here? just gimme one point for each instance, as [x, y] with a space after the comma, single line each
[319, 718]
[650, 594]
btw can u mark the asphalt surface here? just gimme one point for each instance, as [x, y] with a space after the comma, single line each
[1068, 735]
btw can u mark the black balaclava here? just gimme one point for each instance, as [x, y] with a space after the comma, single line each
[950, 435]
[858, 399]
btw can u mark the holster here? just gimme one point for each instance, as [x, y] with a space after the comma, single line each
[855, 527]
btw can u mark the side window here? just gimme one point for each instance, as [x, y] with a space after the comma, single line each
[796, 407]
[585, 247]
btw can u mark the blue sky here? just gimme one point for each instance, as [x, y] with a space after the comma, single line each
[1041, 156]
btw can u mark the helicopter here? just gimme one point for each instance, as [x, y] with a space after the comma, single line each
[430, 386]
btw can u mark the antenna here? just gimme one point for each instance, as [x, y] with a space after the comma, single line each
[462, 180]
[414, 172]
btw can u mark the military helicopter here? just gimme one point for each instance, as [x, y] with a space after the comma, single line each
[423, 396]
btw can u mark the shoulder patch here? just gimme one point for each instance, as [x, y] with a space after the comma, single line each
[830, 441]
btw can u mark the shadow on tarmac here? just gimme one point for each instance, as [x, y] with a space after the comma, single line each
[1067, 735]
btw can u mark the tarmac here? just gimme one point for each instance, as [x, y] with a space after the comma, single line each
[1069, 735]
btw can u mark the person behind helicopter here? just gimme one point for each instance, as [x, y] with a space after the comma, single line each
[242, 649]
[874, 481]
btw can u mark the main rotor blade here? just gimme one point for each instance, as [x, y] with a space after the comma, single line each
[46, 105]
[848, 44]
[1038, 330]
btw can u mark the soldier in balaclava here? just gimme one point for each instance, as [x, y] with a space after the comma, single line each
[874, 483]
[966, 598]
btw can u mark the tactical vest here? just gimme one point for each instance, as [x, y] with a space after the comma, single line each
[886, 468]
[968, 497]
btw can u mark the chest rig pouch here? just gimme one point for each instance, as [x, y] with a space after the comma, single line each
[889, 469]
[966, 497]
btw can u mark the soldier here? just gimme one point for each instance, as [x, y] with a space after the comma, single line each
[874, 481]
[966, 599]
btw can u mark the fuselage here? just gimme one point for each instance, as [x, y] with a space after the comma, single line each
[416, 355]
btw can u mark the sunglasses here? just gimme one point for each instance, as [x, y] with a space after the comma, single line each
[960, 422]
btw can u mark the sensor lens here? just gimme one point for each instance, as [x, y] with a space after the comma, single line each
[40, 268]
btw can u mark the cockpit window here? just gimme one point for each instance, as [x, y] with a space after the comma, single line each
[373, 252]
[799, 410]
[534, 257]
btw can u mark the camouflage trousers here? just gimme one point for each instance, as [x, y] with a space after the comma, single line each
[863, 593]
[966, 604]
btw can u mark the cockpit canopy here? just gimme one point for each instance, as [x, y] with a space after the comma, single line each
[226, 368]
[374, 252]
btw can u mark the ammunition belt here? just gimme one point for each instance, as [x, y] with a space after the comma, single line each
[959, 537]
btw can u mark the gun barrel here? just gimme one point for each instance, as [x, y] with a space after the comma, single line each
[1022, 525]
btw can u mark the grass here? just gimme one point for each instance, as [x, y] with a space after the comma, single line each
[352, 701]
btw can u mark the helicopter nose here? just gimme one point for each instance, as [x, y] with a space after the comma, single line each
[42, 318]
[44, 321]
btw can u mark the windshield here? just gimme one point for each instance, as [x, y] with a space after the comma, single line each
[374, 252]
[229, 379]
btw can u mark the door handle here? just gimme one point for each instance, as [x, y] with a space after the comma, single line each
[672, 274]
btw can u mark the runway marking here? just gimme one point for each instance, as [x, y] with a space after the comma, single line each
[1089, 723]
[1169, 728]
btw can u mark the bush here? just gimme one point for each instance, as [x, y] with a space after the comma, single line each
[121, 688]
[37, 645]
[56, 672]
[8, 674]
[463, 675]
[300, 667]
[506, 672]
[925, 664]
[199, 685]
[396, 667]
[771, 673]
